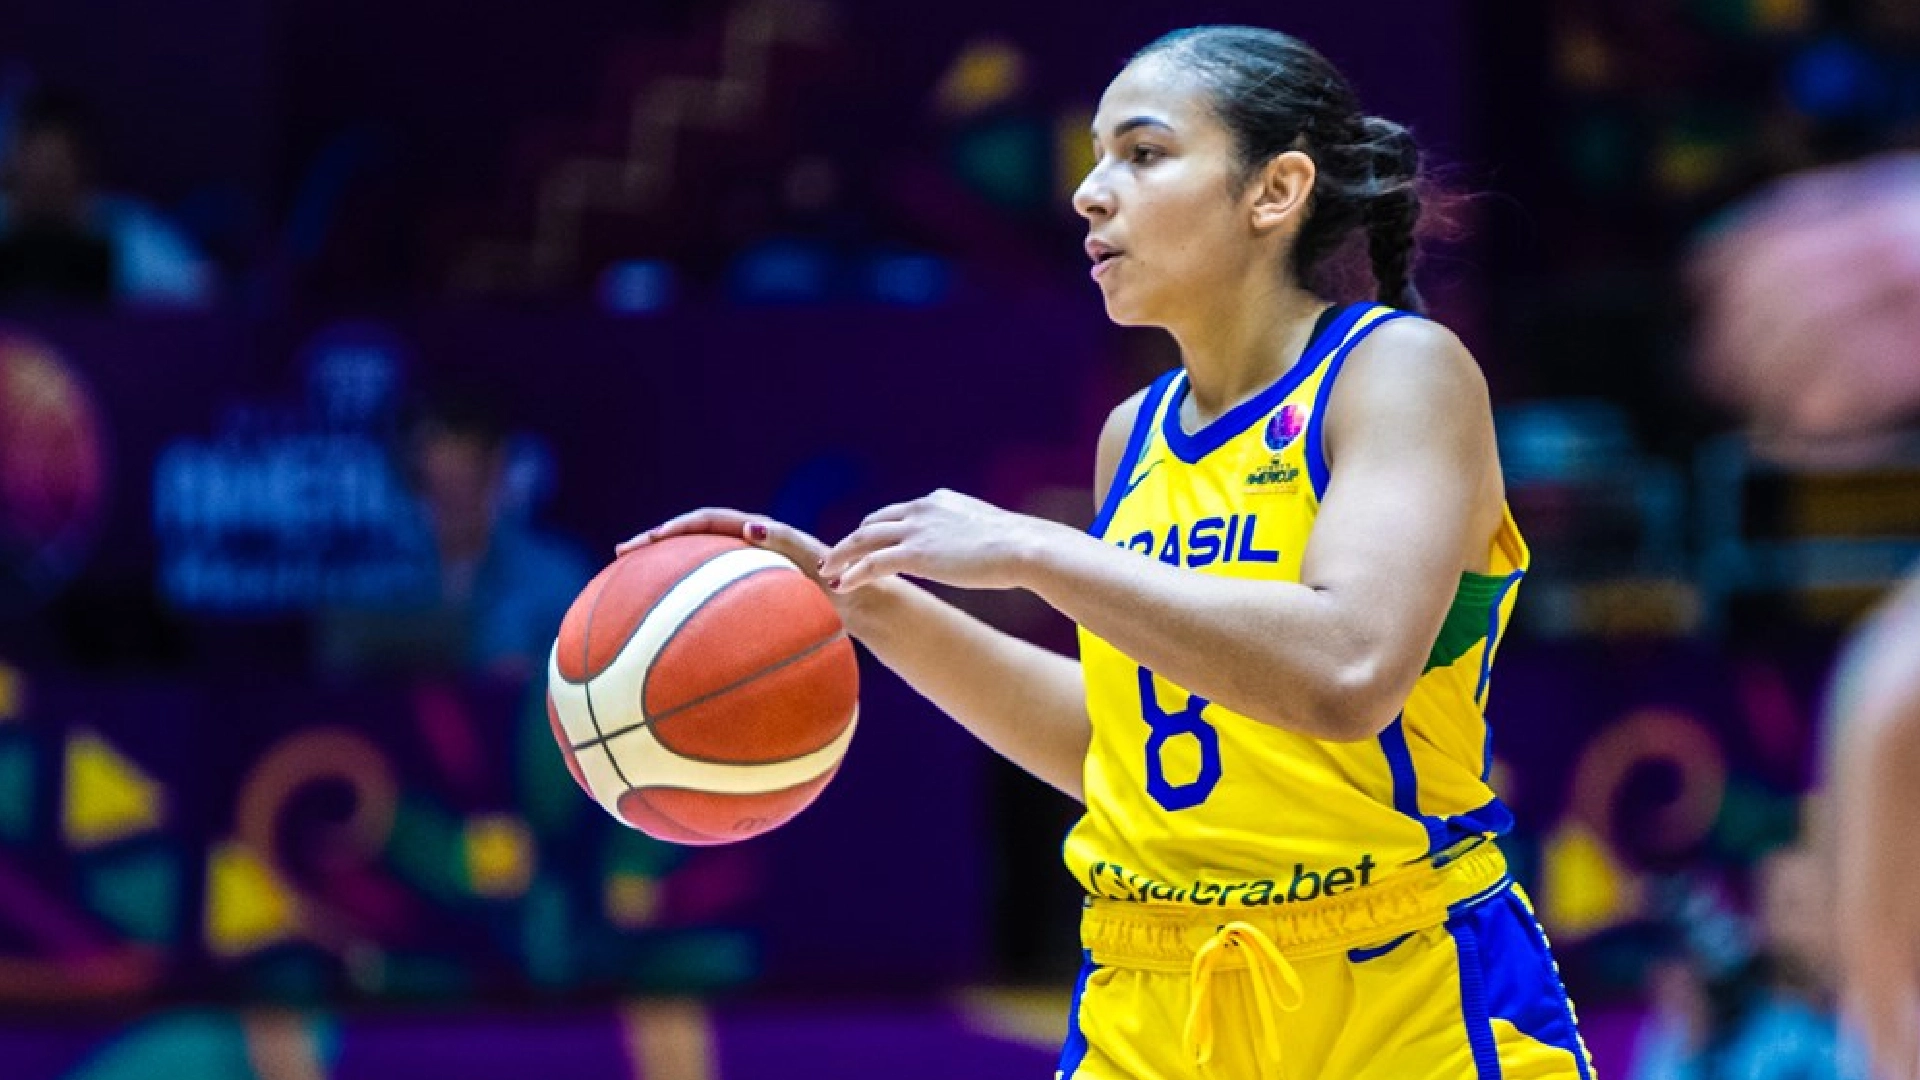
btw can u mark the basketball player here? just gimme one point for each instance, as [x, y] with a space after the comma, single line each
[1289, 605]
[1810, 303]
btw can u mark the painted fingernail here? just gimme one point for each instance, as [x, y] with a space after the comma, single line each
[757, 531]
[834, 584]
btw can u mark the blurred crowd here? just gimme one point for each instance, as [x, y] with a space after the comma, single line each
[1743, 979]
[66, 241]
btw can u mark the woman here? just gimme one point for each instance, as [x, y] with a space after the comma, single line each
[1828, 373]
[1288, 608]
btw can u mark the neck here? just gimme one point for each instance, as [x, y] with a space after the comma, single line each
[1234, 349]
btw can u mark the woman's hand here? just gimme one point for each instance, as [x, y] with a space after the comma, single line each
[804, 550]
[946, 537]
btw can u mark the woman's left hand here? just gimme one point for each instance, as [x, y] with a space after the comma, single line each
[945, 537]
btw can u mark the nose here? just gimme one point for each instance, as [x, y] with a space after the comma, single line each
[1093, 199]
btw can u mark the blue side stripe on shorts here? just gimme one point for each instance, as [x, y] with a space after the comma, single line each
[1473, 999]
[1514, 974]
[1075, 1050]
[1523, 987]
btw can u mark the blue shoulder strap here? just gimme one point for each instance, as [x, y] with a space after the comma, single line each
[1142, 424]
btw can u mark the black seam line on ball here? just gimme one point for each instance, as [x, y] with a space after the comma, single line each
[586, 656]
[681, 628]
[711, 694]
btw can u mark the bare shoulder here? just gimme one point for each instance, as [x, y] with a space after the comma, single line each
[1113, 443]
[1414, 361]
[1411, 412]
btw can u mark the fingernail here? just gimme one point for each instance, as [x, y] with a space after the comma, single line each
[821, 565]
[834, 584]
[756, 531]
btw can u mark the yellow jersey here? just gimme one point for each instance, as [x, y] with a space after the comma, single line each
[1191, 803]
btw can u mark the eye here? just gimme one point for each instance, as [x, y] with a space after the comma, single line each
[1143, 154]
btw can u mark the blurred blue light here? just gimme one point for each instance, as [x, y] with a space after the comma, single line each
[782, 271]
[909, 280]
[637, 286]
[1831, 80]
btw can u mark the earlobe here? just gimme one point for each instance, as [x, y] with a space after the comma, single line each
[1285, 183]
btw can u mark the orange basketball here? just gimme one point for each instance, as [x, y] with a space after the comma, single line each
[703, 691]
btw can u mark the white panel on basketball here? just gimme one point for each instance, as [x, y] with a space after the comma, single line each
[569, 703]
[602, 779]
[646, 763]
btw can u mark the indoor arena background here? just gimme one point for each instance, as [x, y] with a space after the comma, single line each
[809, 257]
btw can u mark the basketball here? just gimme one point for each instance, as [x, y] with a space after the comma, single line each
[702, 690]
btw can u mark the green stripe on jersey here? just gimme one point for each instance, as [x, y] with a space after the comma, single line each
[1467, 619]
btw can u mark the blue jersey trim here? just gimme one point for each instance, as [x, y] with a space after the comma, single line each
[1486, 669]
[1316, 442]
[1117, 488]
[1493, 634]
[1191, 448]
[1075, 1050]
[1490, 817]
[1442, 832]
[1406, 785]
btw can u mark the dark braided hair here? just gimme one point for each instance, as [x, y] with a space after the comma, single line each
[1275, 93]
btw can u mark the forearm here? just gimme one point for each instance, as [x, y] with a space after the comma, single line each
[1026, 703]
[1278, 652]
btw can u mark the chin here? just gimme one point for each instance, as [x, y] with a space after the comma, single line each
[1121, 312]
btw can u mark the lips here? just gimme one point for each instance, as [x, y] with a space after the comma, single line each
[1103, 255]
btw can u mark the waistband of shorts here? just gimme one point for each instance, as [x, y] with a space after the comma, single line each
[1165, 937]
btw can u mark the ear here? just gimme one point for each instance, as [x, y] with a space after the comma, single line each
[1281, 189]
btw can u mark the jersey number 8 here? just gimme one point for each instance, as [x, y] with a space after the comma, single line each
[1165, 726]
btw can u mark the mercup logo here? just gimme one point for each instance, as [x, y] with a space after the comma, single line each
[1283, 427]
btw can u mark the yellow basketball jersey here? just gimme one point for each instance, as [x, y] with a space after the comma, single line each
[1191, 803]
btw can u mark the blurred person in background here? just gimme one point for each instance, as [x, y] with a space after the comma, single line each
[63, 241]
[1749, 997]
[491, 597]
[49, 253]
[1810, 326]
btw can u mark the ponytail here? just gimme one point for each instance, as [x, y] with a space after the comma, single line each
[1392, 212]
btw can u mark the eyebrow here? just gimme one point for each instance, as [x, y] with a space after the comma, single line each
[1133, 122]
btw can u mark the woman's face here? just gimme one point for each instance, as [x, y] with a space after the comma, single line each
[1168, 226]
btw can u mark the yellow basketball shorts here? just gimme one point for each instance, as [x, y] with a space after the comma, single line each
[1353, 992]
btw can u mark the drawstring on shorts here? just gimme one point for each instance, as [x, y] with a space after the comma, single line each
[1268, 940]
[1274, 983]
